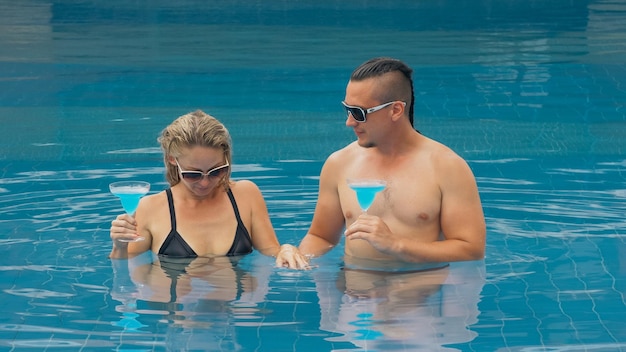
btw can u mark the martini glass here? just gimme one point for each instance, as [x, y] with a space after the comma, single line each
[366, 190]
[130, 192]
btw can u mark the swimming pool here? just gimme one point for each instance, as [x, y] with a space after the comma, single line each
[530, 93]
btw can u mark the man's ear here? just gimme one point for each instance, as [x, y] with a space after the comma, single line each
[397, 110]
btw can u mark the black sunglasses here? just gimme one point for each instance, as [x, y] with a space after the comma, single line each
[195, 176]
[358, 113]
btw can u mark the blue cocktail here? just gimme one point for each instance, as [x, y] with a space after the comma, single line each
[366, 190]
[130, 192]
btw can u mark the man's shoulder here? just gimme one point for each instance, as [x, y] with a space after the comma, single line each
[343, 153]
[445, 158]
[438, 149]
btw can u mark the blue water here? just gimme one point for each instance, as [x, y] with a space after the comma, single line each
[531, 93]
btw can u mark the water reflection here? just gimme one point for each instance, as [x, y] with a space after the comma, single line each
[195, 302]
[422, 310]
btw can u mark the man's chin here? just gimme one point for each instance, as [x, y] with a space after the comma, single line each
[366, 144]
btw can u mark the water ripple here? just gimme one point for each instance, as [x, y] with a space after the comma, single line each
[37, 293]
[48, 268]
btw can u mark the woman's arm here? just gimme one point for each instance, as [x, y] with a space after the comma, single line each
[262, 232]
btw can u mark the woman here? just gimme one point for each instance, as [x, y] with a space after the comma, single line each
[204, 213]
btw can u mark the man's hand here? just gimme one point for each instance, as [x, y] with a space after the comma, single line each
[372, 229]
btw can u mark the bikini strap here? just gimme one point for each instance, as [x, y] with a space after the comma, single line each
[170, 202]
[232, 201]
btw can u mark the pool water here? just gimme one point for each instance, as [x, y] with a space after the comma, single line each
[531, 94]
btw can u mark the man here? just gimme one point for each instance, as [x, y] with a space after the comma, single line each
[430, 209]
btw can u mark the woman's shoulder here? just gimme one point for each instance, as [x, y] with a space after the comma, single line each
[246, 192]
[151, 206]
[243, 186]
[153, 199]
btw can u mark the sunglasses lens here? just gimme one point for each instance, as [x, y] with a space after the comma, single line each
[356, 113]
[192, 176]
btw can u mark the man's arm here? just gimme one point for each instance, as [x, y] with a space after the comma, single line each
[328, 221]
[462, 220]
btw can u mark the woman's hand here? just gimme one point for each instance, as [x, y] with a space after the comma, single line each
[290, 257]
[123, 228]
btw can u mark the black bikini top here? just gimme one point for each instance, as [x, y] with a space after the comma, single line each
[175, 245]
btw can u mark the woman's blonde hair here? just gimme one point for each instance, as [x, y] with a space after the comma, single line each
[194, 129]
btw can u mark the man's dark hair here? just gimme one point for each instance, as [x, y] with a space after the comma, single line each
[381, 65]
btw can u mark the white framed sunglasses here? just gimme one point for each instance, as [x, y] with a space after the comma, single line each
[359, 114]
[195, 176]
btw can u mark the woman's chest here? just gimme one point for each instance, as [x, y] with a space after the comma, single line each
[208, 230]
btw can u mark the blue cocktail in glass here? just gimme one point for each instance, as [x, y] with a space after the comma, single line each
[129, 193]
[366, 190]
